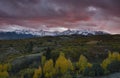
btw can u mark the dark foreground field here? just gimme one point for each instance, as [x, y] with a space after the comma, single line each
[37, 57]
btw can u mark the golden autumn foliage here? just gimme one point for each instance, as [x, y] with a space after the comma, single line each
[62, 64]
[70, 65]
[1, 67]
[83, 63]
[43, 59]
[49, 69]
[4, 74]
[111, 57]
[37, 73]
[119, 57]
[3, 71]
[62, 67]
[4, 67]
[105, 63]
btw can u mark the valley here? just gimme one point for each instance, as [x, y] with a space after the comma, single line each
[24, 56]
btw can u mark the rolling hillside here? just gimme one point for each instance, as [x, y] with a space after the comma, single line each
[24, 53]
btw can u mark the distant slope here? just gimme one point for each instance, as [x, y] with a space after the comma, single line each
[94, 47]
[14, 35]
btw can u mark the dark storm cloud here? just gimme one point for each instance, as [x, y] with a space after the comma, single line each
[54, 8]
[96, 14]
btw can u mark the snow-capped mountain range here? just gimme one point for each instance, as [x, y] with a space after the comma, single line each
[57, 33]
[16, 34]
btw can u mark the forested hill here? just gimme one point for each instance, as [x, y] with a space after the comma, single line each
[72, 46]
[27, 58]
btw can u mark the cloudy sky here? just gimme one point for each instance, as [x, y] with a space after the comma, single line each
[60, 15]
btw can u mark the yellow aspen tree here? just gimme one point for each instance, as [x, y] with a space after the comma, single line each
[111, 57]
[115, 56]
[4, 74]
[89, 65]
[119, 57]
[37, 73]
[0, 67]
[70, 64]
[43, 59]
[4, 71]
[48, 69]
[62, 64]
[105, 63]
[5, 67]
[83, 63]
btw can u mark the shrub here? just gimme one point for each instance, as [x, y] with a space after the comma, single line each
[86, 71]
[67, 75]
[26, 73]
[95, 70]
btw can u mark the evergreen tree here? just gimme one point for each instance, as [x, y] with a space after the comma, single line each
[48, 53]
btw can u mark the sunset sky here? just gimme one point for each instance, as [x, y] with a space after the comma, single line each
[103, 15]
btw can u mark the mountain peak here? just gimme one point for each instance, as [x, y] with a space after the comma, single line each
[30, 33]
